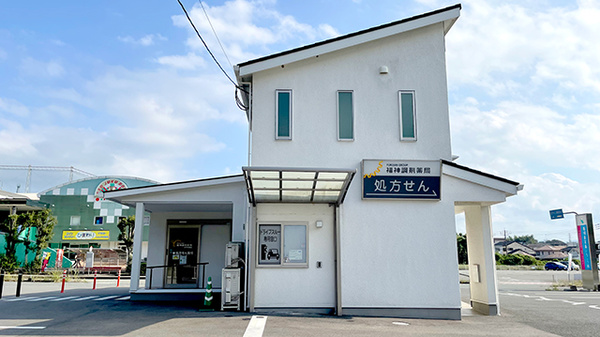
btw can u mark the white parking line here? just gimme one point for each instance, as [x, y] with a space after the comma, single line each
[106, 298]
[123, 298]
[41, 299]
[256, 327]
[63, 298]
[85, 298]
[20, 299]
[22, 327]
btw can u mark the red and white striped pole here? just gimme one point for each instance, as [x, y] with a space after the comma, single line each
[62, 289]
[95, 274]
[119, 278]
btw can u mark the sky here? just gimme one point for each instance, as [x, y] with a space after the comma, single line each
[126, 88]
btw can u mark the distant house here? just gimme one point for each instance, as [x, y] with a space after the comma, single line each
[513, 247]
[574, 250]
[548, 252]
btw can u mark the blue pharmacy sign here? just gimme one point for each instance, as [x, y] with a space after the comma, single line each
[401, 179]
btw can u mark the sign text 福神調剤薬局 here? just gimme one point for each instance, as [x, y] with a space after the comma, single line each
[401, 179]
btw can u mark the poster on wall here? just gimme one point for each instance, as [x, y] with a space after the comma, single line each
[401, 179]
[269, 244]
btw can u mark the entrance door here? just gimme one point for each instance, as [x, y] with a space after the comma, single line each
[182, 257]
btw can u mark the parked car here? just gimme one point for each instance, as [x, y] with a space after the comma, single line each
[555, 266]
[574, 265]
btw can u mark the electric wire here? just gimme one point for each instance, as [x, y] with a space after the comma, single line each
[215, 32]
[239, 103]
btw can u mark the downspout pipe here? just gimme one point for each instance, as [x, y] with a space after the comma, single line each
[338, 266]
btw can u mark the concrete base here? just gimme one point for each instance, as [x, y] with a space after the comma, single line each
[426, 313]
[174, 295]
[294, 311]
[485, 308]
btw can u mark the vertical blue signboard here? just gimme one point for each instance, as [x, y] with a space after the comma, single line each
[584, 242]
[401, 179]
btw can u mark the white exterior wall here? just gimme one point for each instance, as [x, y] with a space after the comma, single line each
[398, 253]
[233, 193]
[298, 287]
[394, 253]
[416, 61]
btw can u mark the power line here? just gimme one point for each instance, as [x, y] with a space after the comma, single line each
[215, 32]
[205, 45]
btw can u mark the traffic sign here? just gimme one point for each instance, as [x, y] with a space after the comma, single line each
[556, 214]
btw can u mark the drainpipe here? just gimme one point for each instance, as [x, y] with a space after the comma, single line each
[251, 265]
[338, 264]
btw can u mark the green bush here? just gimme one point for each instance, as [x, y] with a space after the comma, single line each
[8, 264]
[517, 260]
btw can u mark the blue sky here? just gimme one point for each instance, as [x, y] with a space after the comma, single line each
[126, 88]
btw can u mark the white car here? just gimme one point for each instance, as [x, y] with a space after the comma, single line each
[574, 265]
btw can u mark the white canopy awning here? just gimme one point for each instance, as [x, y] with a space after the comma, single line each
[297, 185]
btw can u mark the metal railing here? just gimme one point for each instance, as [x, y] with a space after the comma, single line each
[150, 271]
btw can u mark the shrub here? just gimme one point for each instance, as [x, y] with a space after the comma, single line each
[8, 263]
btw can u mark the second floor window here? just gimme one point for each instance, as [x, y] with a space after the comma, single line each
[283, 117]
[408, 125]
[345, 115]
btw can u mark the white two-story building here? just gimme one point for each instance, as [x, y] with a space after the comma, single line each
[348, 203]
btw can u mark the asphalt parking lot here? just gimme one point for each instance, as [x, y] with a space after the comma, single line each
[80, 311]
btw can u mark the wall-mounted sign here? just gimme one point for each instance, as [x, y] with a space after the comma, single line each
[401, 179]
[85, 235]
[108, 185]
[269, 244]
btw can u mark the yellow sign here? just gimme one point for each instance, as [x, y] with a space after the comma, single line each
[85, 235]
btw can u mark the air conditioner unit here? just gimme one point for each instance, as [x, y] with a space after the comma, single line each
[231, 296]
[232, 253]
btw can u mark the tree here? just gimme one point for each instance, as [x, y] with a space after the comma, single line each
[13, 227]
[126, 226]
[17, 226]
[524, 239]
[461, 243]
[555, 242]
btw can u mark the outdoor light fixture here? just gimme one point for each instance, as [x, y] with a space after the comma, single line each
[319, 223]
[383, 70]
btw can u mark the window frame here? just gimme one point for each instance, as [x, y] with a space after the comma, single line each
[338, 115]
[290, 114]
[414, 115]
[71, 222]
[282, 263]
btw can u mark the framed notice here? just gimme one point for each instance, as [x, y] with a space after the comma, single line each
[269, 244]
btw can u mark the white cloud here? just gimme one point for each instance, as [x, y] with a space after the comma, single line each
[495, 42]
[244, 25]
[13, 107]
[528, 133]
[190, 61]
[36, 68]
[15, 142]
[146, 40]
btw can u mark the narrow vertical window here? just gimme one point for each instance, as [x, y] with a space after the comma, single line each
[345, 115]
[408, 129]
[284, 114]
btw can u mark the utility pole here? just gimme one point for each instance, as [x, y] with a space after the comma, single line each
[505, 243]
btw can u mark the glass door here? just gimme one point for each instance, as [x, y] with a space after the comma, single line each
[182, 257]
